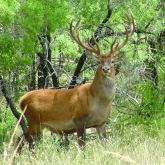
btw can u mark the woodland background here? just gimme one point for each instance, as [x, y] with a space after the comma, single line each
[37, 51]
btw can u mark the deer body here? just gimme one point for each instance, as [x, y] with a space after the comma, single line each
[60, 110]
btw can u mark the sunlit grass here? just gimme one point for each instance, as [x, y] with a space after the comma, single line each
[127, 144]
[141, 149]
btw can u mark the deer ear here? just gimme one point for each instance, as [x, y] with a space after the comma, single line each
[119, 55]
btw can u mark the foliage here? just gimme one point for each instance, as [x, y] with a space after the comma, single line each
[21, 24]
[7, 123]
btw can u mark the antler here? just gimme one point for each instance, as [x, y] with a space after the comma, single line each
[75, 34]
[117, 46]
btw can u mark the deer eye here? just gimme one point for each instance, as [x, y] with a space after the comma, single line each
[102, 62]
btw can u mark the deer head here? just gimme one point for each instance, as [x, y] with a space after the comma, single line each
[106, 60]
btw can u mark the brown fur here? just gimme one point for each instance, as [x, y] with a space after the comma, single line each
[70, 110]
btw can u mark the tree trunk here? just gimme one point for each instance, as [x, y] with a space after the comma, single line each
[45, 67]
[32, 84]
[50, 67]
[41, 75]
[97, 36]
[12, 106]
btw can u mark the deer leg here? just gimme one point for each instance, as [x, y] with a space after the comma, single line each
[80, 129]
[19, 144]
[65, 141]
[101, 130]
[33, 136]
[81, 136]
[30, 140]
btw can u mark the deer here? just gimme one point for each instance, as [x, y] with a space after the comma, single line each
[66, 111]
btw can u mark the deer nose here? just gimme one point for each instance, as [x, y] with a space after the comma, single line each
[106, 68]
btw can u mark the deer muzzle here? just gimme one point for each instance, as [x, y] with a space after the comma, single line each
[106, 69]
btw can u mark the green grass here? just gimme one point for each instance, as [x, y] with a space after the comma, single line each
[142, 144]
[140, 149]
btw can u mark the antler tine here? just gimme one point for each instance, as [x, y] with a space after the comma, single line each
[112, 45]
[98, 48]
[75, 34]
[131, 24]
[75, 37]
[116, 46]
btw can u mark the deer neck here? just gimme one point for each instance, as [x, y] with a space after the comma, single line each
[103, 86]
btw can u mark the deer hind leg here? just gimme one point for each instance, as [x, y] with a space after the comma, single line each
[33, 135]
[101, 130]
[19, 144]
[64, 140]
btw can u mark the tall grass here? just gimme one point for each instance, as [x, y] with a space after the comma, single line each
[142, 150]
[127, 144]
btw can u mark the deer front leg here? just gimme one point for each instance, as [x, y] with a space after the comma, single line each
[80, 129]
[101, 130]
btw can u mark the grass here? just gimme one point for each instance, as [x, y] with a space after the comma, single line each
[141, 149]
[127, 145]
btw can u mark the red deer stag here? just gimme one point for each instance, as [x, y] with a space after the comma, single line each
[65, 111]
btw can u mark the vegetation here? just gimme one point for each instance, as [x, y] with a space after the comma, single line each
[36, 51]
